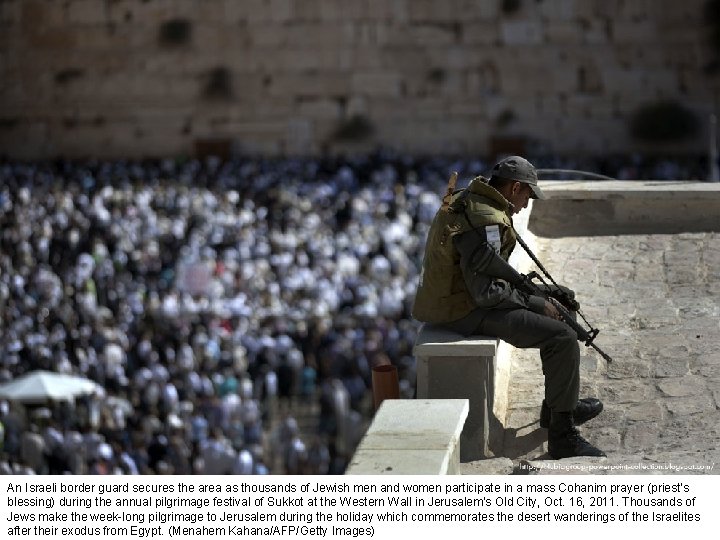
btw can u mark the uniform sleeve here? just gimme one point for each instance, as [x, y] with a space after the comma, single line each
[490, 280]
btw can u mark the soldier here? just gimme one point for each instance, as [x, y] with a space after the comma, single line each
[467, 286]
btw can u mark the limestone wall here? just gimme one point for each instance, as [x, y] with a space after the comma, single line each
[156, 77]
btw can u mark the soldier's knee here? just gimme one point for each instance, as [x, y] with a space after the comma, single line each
[567, 336]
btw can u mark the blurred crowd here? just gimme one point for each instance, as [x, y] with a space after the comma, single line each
[230, 311]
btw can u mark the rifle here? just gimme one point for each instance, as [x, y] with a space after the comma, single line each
[562, 302]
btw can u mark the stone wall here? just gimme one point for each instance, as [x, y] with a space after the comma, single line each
[115, 78]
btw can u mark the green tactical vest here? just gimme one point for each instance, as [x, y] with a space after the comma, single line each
[442, 295]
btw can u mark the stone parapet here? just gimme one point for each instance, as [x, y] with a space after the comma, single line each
[411, 436]
[578, 208]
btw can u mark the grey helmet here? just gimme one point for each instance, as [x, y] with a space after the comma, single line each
[520, 170]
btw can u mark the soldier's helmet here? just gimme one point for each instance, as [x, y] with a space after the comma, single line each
[520, 170]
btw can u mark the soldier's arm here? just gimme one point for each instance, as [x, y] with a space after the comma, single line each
[491, 281]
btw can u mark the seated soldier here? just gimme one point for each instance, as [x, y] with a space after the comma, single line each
[467, 286]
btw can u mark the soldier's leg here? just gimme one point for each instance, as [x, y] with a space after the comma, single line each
[558, 345]
[560, 354]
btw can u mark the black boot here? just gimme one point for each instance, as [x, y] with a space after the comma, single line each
[586, 409]
[564, 439]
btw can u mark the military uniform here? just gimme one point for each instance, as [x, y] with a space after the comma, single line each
[467, 286]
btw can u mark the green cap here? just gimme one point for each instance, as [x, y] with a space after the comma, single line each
[520, 170]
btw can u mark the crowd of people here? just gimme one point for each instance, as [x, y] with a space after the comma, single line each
[230, 312]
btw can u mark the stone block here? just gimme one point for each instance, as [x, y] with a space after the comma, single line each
[34, 14]
[432, 35]
[389, 35]
[421, 10]
[97, 38]
[627, 32]
[211, 12]
[377, 83]
[559, 10]
[317, 34]
[181, 90]
[322, 85]
[307, 59]
[252, 11]
[142, 85]
[671, 367]
[480, 33]
[11, 12]
[319, 109]
[56, 38]
[471, 10]
[454, 57]
[642, 436]
[597, 32]
[412, 437]
[87, 12]
[121, 11]
[690, 405]
[683, 387]
[300, 137]
[28, 140]
[266, 128]
[434, 11]
[563, 32]
[639, 412]
[626, 83]
[293, 60]
[441, 357]
[472, 109]
[522, 32]
[344, 10]
[305, 10]
[410, 59]
[495, 105]
[358, 105]
[396, 11]
[169, 9]
[281, 11]
[210, 35]
[360, 59]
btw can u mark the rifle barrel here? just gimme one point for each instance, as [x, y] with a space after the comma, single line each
[605, 355]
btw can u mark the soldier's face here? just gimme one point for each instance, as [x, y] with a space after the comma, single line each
[519, 196]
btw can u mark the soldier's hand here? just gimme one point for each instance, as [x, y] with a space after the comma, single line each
[566, 300]
[551, 311]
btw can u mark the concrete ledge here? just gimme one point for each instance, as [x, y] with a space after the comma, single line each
[575, 208]
[412, 436]
[450, 366]
[629, 189]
